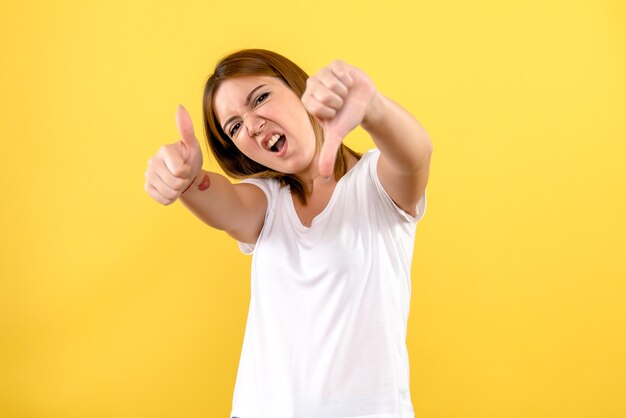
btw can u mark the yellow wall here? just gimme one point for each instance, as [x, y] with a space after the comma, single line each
[112, 305]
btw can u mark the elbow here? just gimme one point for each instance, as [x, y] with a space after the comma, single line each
[423, 156]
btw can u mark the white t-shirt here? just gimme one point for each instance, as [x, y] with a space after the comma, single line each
[326, 328]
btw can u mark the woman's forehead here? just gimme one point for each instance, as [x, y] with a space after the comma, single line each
[231, 95]
[233, 88]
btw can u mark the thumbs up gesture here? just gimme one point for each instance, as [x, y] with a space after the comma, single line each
[174, 167]
[340, 96]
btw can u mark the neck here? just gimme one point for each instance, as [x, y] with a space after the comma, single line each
[312, 178]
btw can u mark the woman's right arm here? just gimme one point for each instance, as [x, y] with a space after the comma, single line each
[175, 171]
[237, 209]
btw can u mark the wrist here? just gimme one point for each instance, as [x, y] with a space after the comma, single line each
[374, 112]
[190, 184]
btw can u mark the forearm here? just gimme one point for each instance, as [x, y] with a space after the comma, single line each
[398, 135]
[212, 198]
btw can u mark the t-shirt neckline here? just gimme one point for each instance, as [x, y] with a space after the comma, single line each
[320, 216]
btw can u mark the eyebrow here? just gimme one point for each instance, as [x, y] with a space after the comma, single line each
[247, 104]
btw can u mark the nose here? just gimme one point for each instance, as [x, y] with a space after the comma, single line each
[254, 123]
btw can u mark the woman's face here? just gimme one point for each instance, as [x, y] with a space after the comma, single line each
[267, 122]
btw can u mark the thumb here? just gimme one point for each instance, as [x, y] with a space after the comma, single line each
[185, 127]
[328, 153]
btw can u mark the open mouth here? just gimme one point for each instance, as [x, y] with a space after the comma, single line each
[276, 143]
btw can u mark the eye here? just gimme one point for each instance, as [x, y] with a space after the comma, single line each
[261, 98]
[233, 130]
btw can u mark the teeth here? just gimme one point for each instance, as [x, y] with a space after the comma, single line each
[272, 141]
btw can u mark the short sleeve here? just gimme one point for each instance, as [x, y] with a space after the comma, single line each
[270, 189]
[420, 208]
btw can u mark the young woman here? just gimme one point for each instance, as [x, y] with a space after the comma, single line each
[331, 231]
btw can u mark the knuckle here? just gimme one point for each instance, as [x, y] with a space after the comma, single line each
[180, 184]
[315, 107]
[178, 171]
[165, 149]
[325, 72]
[327, 96]
[172, 195]
[333, 83]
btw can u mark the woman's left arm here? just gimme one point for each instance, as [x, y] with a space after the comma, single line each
[342, 97]
[405, 151]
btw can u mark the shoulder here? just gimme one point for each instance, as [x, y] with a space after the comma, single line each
[364, 165]
[269, 186]
[369, 169]
[262, 210]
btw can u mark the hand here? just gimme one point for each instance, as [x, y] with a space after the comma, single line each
[341, 97]
[175, 166]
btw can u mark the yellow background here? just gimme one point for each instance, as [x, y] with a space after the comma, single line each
[112, 305]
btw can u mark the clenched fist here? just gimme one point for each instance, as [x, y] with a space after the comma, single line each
[341, 96]
[174, 167]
